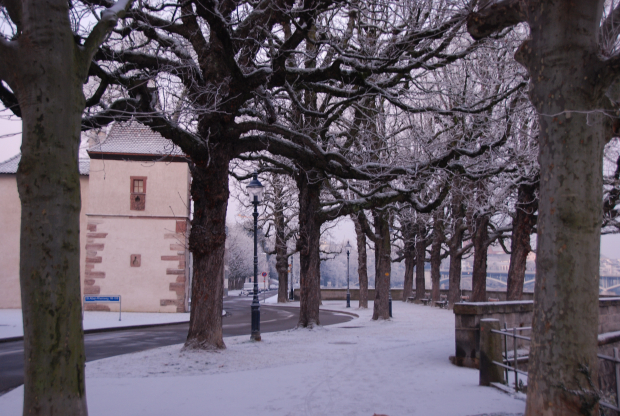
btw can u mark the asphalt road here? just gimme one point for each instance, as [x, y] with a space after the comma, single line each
[124, 341]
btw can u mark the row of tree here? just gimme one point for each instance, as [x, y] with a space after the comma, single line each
[410, 117]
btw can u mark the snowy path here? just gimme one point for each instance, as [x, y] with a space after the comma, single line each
[361, 367]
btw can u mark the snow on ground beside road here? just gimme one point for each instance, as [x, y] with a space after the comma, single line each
[11, 320]
[361, 367]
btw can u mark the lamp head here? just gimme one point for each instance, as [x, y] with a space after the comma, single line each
[348, 247]
[255, 189]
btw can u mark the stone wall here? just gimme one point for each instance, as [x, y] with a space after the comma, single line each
[397, 294]
[341, 294]
[515, 314]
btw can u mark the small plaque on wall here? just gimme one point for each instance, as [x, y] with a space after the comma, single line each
[138, 201]
[135, 260]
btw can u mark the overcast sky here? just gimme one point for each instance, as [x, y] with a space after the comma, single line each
[9, 146]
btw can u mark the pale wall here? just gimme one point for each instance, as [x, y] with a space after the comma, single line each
[166, 187]
[10, 221]
[10, 213]
[116, 233]
[142, 288]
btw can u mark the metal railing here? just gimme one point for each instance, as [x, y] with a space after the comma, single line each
[513, 363]
[616, 360]
[512, 333]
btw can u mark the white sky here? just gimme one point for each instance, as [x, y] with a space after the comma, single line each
[9, 147]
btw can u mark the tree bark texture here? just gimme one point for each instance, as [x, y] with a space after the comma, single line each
[308, 245]
[454, 274]
[46, 69]
[281, 252]
[408, 231]
[568, 80]
[525, 219]
[455, 246]
[383, 265]
[51, 102]
[565, 323]
[362, 262]
[480, 237]
[207, 243]
[420, 258]
[438, 239]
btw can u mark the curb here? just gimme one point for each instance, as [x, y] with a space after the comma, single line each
[109, 329]
[120, 328]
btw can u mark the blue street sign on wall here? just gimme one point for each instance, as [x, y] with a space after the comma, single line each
[102, 298]
[109, 298]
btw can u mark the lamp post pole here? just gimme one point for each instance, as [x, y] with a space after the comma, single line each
[292, 297]
[255, 302]
[255, 189]
[348, 247]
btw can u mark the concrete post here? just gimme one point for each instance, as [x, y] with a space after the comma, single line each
[490, 350]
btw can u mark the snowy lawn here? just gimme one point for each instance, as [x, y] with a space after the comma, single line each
[11, 320]
[361, 367]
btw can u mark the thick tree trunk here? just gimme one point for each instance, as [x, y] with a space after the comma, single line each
[454, 276]
[522, 226]
[362, 262]
[281, 253]
[565, 323]
[206, 242]
[408, 281]
[455, 245]
[568, 80]
[420, 258]
[48, 85]
[308, 243]
[408, 230]
[383, 265]
[480, 239]
[438, 238]
[49, 189]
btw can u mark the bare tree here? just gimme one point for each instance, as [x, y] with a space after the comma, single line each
[572, 60]
[240, 264]
[44, 62]
[522, 228]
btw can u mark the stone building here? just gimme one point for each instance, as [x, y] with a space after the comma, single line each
[134, 222]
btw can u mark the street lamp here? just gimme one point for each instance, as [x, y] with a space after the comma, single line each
[348, 247]
[256, 190]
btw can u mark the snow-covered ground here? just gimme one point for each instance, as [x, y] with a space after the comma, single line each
[11, 320]
[361, 367]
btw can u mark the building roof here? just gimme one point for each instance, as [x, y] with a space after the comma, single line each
[10, 166]
[133, 138]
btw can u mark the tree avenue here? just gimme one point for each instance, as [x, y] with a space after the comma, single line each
[226, 79]
[409, 117]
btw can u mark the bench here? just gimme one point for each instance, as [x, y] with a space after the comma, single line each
[426, 301]
[493, 299]
[464, 298]
[442, 302]
[411, 299]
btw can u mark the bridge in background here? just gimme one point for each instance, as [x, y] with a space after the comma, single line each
[609, 285]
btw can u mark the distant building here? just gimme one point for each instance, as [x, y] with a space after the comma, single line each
[134, 223]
